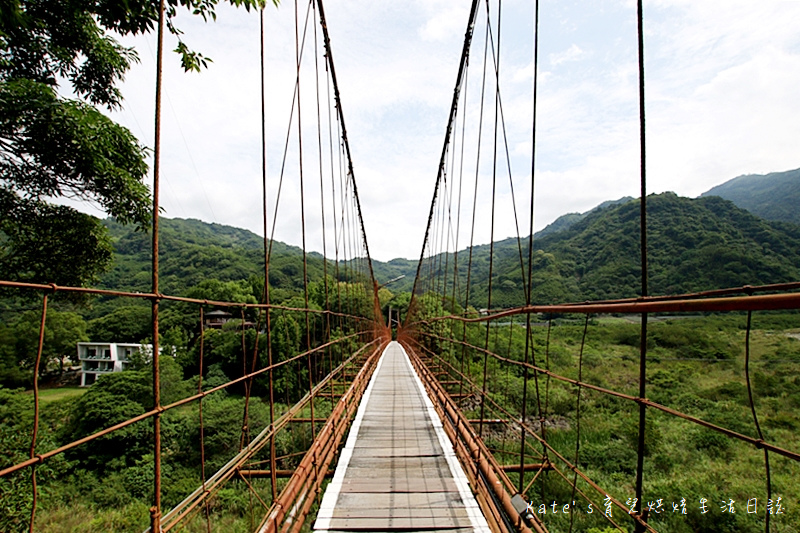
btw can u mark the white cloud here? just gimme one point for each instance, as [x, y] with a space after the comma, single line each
[449, 21]
[573, 53]
[720, 103]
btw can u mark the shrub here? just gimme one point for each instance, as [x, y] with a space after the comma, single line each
[730, 391]
[780, 421]
[715, 444]
[613, 456]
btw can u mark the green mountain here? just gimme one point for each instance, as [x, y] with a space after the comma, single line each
[693, 245]
[191, 251]
[386, 271]
[566, 221]
[774, 196]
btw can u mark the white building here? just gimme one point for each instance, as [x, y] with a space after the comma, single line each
[98, 358]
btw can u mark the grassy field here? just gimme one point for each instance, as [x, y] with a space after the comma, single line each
[695, 365]
[60, 393]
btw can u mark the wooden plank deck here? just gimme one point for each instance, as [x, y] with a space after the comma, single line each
[397, 471]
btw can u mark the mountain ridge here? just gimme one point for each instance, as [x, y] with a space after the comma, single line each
[772, 196]
[694, 244]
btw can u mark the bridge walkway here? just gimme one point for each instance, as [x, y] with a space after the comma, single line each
[397, 471]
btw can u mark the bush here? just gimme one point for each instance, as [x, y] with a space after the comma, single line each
[693, 404]
[712, 442]
[652, 433]
[561, 402]
[731, 391]
[613, 456]
[780, 421]
[691, 341]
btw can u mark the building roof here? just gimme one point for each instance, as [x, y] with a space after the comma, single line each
[218, 312]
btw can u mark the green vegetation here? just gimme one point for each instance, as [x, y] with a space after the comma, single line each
[52, 146]
[594, 255]
[567, 221]
[201, 261]
[107, 485]
[694, 244]
[695, 365]
[773, 196]
[192, 251]
[60, 393]
[19, 343]
[393, 269]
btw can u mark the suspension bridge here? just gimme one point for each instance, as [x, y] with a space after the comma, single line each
[411, 428]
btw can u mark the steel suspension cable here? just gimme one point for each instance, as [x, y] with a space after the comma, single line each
[200, 416]
[529, 350]
[459, 78]
[755, 415]
[449, 233]
[327, 325]
[495, 59]
[578, 414]
[475, 190]
[267, 249]
[494, 197]
[456, 277]
[338, 99]
[295, 102]
[303, 207]
[643, 246]
[35, 431]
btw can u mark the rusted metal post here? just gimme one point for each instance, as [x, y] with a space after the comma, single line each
[35, 433]
[155, 511]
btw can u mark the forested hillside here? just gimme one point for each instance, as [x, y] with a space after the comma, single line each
[774, 196]
[191, 251]
[567, 221]
[197, 260]
[694, 244]
[393, 269]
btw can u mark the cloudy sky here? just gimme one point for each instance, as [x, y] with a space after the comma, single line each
[722, 100]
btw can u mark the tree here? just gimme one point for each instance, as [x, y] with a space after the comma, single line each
[11, 375]
[186, 317]
[51, 146]
[223, 291]
[126, 324]
[63, 330]
[286, 343]
[19, 342]
[399, 303]
[114, 398]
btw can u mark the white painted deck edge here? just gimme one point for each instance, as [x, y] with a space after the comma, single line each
[470, 503]
[329, 499]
